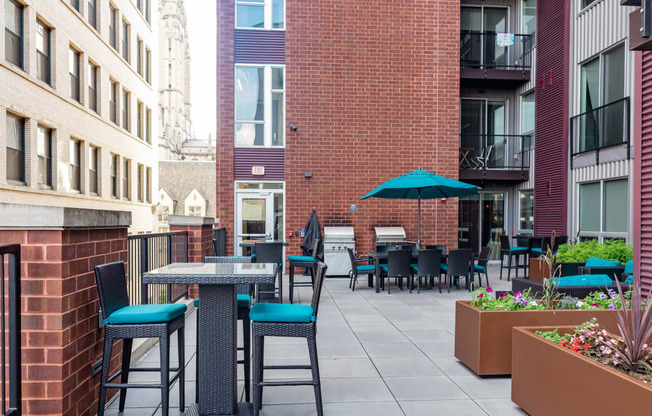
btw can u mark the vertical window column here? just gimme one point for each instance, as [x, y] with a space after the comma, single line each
[126, 108]
[126, 179]
[74, 58]
[114, 164]
[15, 136]
[93, 170]
[113, 101]
[14, 32]
[126, 38]
[43, 51]
[92, 87]
[44, 150]
[113, 27]
[75, 165]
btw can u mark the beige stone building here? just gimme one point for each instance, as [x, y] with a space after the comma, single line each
[77, 101]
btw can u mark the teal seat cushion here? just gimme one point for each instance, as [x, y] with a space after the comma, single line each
[517, 249]
[243, 301]
[443, 266]
[630, 279]
[596, 262]
[584, 280]
[629, 267]
[253, 256]
[382, 267]
[146, 314]
[301, 258]
[479, 269]
[537, 250]
[414, 266]
[366, 267]
[281, 312]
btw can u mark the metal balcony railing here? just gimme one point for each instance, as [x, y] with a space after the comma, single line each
[495, 151]
[600, 128]
[479, 50]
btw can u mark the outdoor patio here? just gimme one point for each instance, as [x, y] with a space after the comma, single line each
[379, 354]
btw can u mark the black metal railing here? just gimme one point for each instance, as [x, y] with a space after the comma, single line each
[150, 251]
[600, 128]
[10, 338]
[495, 151]
[480, 50]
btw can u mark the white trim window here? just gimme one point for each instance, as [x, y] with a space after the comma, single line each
[260, 14]
[259, 106]
[526, 212]
[604, 209]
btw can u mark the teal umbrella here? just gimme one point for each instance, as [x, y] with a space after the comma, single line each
[422, 185]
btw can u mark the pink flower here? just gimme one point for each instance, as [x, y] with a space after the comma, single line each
[489, 289]
[480, 295]
[595, 304]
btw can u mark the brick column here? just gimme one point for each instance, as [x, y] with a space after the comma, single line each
[61, 338]
[200, 239]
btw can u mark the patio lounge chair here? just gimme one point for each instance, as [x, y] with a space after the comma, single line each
[284, 320]
[126, 322]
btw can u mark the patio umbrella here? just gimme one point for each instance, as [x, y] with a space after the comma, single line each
[422, 185]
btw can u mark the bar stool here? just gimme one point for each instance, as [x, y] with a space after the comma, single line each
[126, 322]
[270, 253]
[516, 252]
[308, 262]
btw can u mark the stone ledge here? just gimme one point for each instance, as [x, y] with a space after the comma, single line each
[40, 217]
[185, 220]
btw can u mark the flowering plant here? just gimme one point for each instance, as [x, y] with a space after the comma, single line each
[482, 299]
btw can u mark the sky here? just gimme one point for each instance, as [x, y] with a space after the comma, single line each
[201, 21]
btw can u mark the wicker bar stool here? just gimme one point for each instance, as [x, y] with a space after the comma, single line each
[308, 262]
[284, 320]
[244, 303]
[270, 253]
[122, 321]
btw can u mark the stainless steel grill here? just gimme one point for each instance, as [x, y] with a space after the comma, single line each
[390, 235]
[336, 241]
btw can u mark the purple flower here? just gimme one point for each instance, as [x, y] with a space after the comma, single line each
[603, 296]
[612, 307]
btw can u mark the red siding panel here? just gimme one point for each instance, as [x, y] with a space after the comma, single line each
[272, 159]
[552, 117]
[643, 216]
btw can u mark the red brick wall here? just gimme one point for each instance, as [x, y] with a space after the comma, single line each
[200, 245]
[61, 338]
[373, 88]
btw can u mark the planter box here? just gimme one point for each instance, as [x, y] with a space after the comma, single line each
[539, 270]
[548, 379]
[483, 339]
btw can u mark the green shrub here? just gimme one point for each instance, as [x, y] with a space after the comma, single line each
[609, 250]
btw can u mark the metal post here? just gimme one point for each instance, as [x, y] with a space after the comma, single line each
[168, 238]
[15, 393]
[647, 16]
[144, 263]
[419, 222]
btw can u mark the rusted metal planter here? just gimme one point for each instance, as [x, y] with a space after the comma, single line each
[548, 379]
[483, 339]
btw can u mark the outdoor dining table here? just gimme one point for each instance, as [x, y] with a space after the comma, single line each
[377, 257]
[252, 243]
[217, 349]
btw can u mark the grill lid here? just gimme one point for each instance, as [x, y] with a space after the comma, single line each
[338, 234]
[384, 234]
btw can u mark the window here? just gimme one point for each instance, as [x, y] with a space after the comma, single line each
[139, 120]
[73, 69]
[148, 65]
[260, 14]
[139, 57]
[527, 118]
[139, 182]
[113, 101]
[113, 173]
[195, 211]
[113, 27]
[42, 51]
[260, 106]
[14, 32]
[604, 207]
[148, 125]
[93, 157]
[44, 148]
[125, 179]
[126, 28]
[529, 24]
[15, 149]
[126, 96]
[92, 13]
[75, 4]
[75, 165]
[92, 86]
[148, 185]
[526, 219]
[586, 3]
[148, 15]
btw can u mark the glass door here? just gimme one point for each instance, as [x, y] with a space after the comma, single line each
[495, 146]
[471, 41]
[494, 20]
[255, 218]
[493, 221]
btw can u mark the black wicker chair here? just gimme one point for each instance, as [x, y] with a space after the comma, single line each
[428, 267]
[398, 266]
[511, 252]
[437, 247]
[307, 262]
[481, 267]
[459, 265]
[122, 321]
[244, 303]
[283, 320]
[357, 270]
[270, 253]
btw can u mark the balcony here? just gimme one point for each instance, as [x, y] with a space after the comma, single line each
[492, 157]
[601, 135]
[482, 59]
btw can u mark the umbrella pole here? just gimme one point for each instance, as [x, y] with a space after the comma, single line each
[419, 223]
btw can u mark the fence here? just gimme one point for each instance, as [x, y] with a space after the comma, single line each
[10, 307]
[150, 251]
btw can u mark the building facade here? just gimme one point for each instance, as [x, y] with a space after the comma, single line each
[317, 105]
[77, 104]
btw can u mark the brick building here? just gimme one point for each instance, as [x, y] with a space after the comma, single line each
[77, 104]
[372, 91]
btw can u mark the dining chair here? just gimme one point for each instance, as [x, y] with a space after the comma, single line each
[124, 321]
[358, 270]
[286, 320]
[480, 268]
[398, 267]
[270, 253]
[428, 267]
[511, 252]
[459, 265]
[307, 262]
[437, 247]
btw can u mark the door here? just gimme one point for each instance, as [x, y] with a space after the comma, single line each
[493, 221]
[255, 218]
[479, 26]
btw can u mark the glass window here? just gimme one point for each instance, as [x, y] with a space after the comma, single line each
[278, 14]
[125, 179]
[252, 14]
[44, 148]
[260, 106]
[42, 51]
[139, 120]
[590, 86]
[92, 13]
[113, 172]
[148, 125]
[148, 66]
[15, 148]
[73, 69]
[139, 183]
[613, 86]
[75, 165]
[586, 3]
[113, 26]
[92, 86]
[615, 206]
[526, 220]
[529, 16]
[126, 28]
[93, 156]
[113, 102]
[590, 207]
[125, 109]
[75, 4]
[139, 57]
[527, 113]
[14, 32]
[148, 186]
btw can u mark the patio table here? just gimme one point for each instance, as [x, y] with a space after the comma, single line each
[252, 243]
[217, 349]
